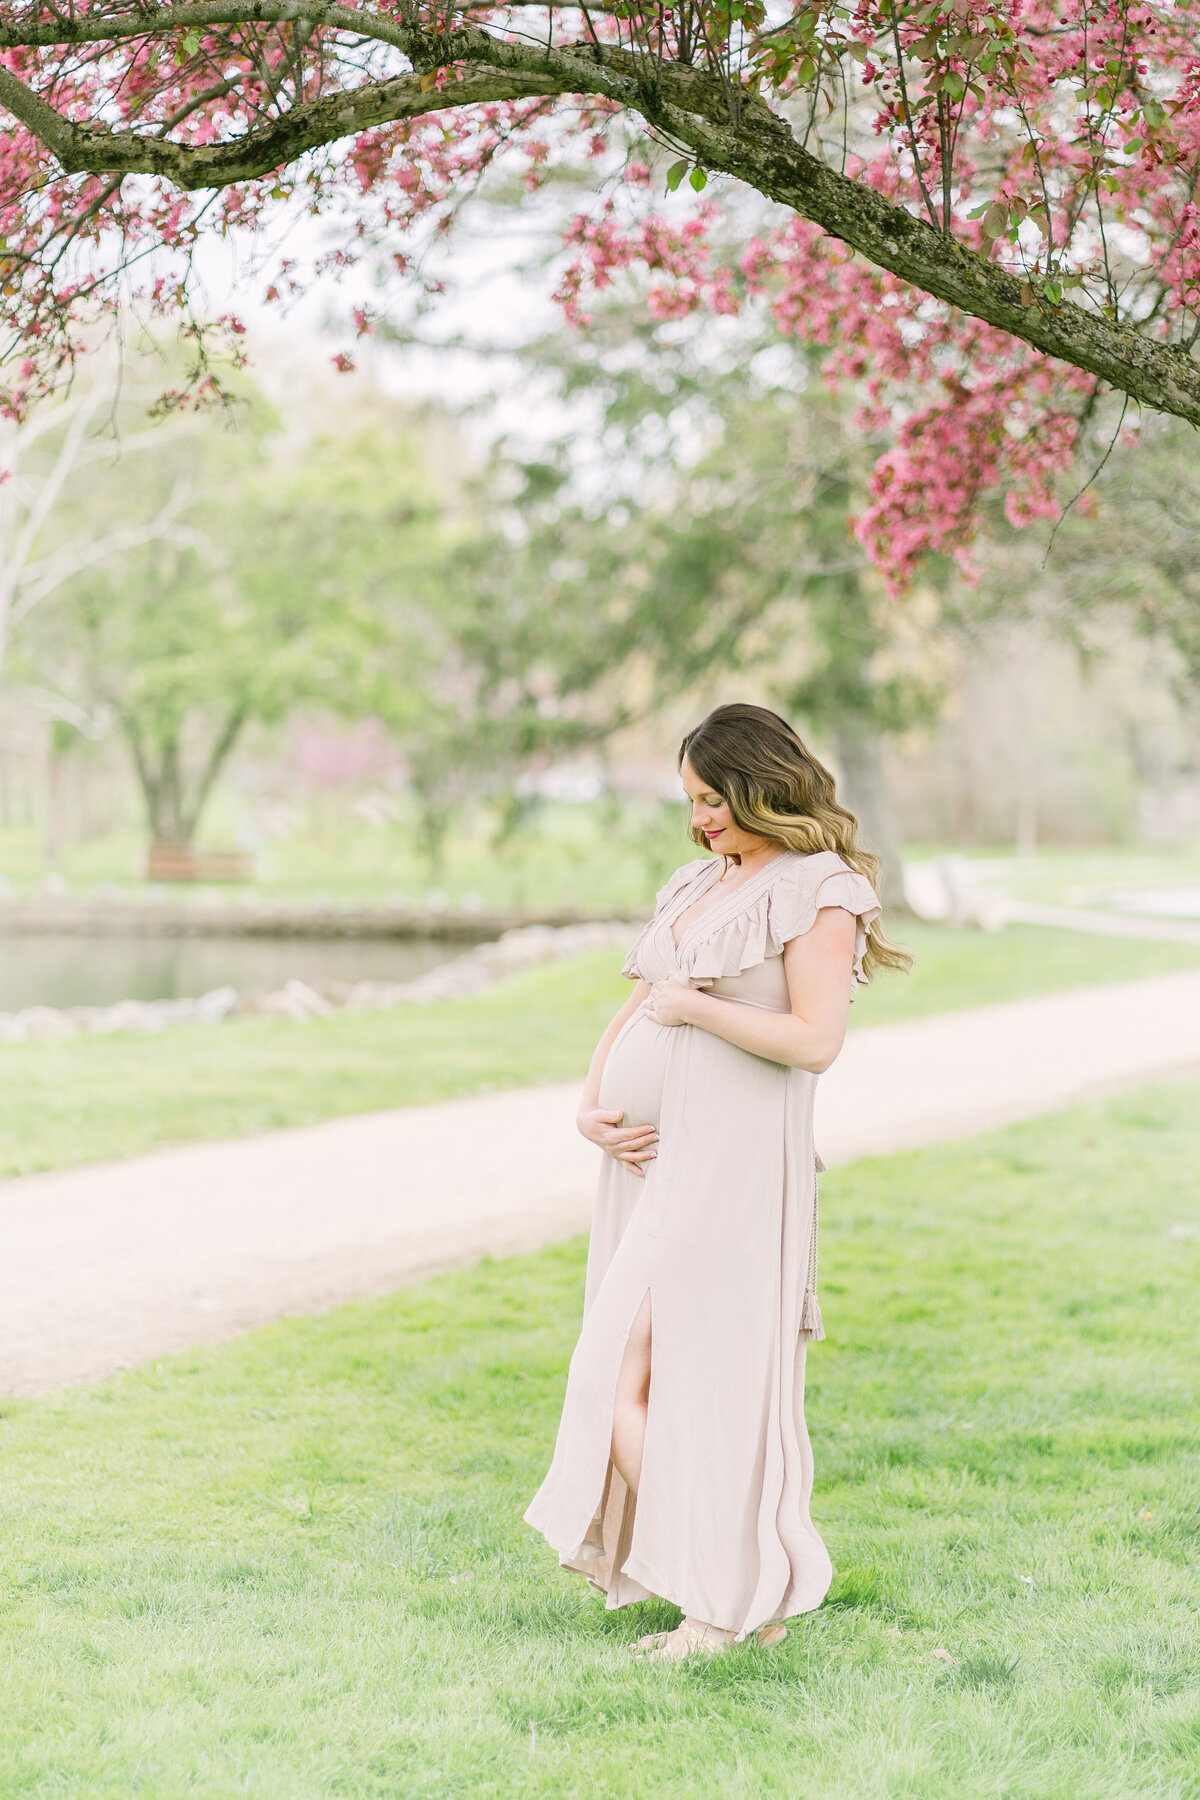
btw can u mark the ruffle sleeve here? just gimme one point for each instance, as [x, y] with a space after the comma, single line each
[788, 908]
[664, 897]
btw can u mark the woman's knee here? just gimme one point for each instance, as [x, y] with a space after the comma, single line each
[633, 1382]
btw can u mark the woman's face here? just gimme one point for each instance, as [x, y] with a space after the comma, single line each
[711, 815]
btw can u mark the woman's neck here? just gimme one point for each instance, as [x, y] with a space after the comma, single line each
[750, 860]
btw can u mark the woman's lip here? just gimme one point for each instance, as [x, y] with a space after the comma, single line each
[716, 833]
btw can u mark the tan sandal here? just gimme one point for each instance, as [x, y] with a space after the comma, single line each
[770, 1635]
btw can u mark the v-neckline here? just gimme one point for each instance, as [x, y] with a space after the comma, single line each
[727, 904]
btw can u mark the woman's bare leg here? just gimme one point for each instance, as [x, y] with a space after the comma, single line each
[632, 1399]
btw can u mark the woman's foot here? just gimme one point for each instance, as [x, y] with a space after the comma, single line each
[692, 1638]
[674, 1644]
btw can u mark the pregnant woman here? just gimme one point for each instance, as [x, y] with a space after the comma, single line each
[683, 1467]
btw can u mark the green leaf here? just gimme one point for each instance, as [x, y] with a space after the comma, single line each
[698, 179]
[676, 173]
[191, 43]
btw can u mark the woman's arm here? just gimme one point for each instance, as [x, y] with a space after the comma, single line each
[632, 1145]
[818, 967]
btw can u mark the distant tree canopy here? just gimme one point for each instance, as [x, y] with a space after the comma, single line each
[701, 537]
[1138, 550]
[692, 539]
[291, 583]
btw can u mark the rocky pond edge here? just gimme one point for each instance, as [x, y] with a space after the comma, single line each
[472, 973]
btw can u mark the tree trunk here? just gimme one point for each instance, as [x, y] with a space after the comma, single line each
[434, 817]
[862, 786]
[55, 826]
[172, 811]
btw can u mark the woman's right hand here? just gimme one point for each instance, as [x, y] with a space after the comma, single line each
[630, 1145]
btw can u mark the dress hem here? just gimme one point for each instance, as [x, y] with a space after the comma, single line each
[571, 1559]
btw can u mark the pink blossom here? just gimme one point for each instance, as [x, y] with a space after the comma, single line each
[1063, 117]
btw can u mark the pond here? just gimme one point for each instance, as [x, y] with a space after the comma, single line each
[98, 971]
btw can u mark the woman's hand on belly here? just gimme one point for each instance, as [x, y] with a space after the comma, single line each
[672, 1001]
[631, 1145]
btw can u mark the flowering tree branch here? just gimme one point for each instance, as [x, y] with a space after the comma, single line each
[1019, 180]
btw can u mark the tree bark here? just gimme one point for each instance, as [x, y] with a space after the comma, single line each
[432, 829]
[173, 807]
[149, 780]
[55, 825]
[757, 146]
[218, 756]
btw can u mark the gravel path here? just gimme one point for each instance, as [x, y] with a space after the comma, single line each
[108, 1266]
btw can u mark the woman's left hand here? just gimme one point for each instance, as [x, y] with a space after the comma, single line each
[671, 1001]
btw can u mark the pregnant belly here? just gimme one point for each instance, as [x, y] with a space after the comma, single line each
[634, 1070]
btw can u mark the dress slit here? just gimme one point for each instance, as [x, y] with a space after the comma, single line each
[609, 1538]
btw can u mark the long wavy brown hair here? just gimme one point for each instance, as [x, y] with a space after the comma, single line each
[775, 787]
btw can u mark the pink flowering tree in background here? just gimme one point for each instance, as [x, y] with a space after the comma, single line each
[988, 213]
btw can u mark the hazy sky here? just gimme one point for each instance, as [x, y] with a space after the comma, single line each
[496, 296]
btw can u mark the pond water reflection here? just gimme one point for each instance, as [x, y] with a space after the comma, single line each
[98, 971]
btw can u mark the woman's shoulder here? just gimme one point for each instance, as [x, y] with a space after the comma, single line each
[683, 877]
[798, 868]
[804, 884]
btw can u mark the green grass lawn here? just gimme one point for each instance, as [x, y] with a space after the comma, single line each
[294, 1568]
[603, 852]
[1075, 877]
[955, 969]
[101, 1097]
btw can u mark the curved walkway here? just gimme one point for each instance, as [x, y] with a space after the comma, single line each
[108, 1266]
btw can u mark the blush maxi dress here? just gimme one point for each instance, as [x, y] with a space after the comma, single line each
[721, 1234]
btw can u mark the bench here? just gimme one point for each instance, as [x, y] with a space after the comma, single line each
[180, 862]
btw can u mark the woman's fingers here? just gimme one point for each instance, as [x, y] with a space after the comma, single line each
[633, 1159]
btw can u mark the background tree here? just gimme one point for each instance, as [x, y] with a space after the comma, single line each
[294, 589]
[44, 460]
[701, 534]
[1137, 549]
